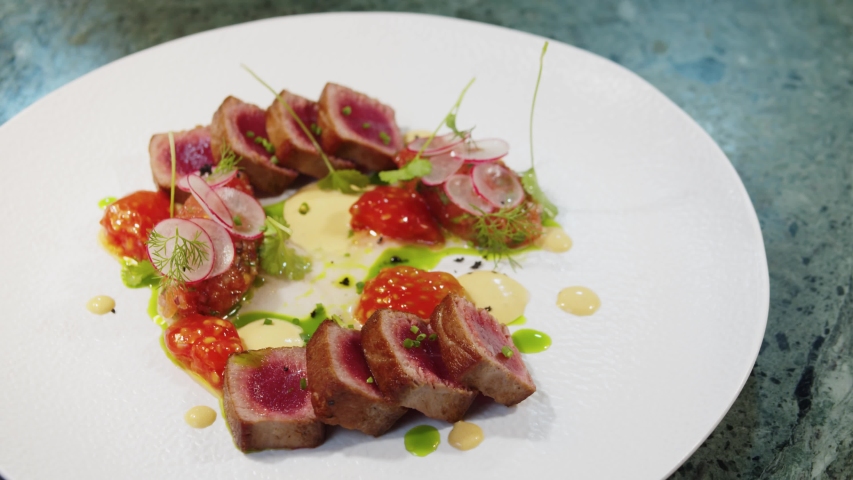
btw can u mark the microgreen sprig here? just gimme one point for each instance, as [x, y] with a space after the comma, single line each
[528, 177]
[418, 166]
[228, 161]
[174, 174]
[498, 231]
[187, 254]
[346, 181]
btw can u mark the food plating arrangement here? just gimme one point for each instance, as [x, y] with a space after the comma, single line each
[298, 261]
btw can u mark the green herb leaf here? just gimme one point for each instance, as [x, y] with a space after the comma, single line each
[187, 254]
[136, 274]
[277, 256]
[228, 161]
[346, 181]
[498, 232]
[359, 287]
[303, 383]
[408, 343]
[414, 169]
[531, 186]
[528, 178]
[267, 321]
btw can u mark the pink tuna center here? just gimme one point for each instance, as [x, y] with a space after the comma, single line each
[426, 357]
[192, 152]
[368, 122]
[488, 333]
[352, 357]
[254, 121]
[307, 112]
[276, 387]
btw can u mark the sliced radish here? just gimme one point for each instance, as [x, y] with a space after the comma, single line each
[247, 213]
[438, 145]
[460, 190]
[213, 179]
[497, 184]
[476, 151]
[210, 201]
[443, 166]
[223, 246]
[179, 231]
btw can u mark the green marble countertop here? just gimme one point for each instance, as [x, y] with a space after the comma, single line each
[771, 81]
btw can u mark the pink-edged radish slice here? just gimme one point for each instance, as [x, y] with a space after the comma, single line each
[247, 213]
[223, 246]
[460, 190]
[210, 201]
[178, 233]
[443, 166]
[439, 144]
[213, 179]
[476, 151]
[497, 184]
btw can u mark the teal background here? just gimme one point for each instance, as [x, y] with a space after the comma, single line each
[771, 81]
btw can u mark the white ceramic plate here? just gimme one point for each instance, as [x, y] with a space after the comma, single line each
[663, 231]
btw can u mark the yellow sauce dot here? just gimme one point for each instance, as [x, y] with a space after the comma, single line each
[465, 435]
[101, 304]
[579, 301]
[554, 239]
[505, 298]
[200, 416]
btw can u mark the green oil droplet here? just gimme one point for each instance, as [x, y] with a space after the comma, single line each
[531, 341]
[422, 440]
[105, 202]
[518, 321]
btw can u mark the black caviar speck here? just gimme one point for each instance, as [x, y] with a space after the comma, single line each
[205, 170]
[113, 310]
[345, 282]
[459, 260]
[476, 265]
[381, 239]
[396, 259]
[488, 308]
[330, 403]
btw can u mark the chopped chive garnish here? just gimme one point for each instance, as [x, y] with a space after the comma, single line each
[304, 208]
[250, 134]
[237, 220]
[305, 337]
[433, 337]
[369, 379]
[417, 343]
[315, 129]
[303, 383]
[420, 337]
[295, 321]
[359, 287]
[385, 138]
[408, 343]
[365, 125]
[506, 351]
[346, 110]
[274, 160]
[414, 329]
[267, 321]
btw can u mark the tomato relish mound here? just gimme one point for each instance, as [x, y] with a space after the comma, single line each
[205, 255]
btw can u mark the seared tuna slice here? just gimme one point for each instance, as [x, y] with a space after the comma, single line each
[267, 404]
[343, 391]
[192, 153]
[479, 352]
[358, 128]
[242, 126]
[406, 364]
[292, 147]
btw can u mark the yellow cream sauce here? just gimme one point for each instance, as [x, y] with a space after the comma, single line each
[505, 298]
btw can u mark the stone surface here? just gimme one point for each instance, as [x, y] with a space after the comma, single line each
[771, 81]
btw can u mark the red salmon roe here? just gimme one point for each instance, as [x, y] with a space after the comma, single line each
[128, 221]
[396, 213]
[202, 345]
[407, 289]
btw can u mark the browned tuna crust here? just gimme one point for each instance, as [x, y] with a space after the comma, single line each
[292, 147]
[413, 377]
[471, 342]
[228, 128]
[257, 427]
[192, 152]
[368, 135]
[337, 379]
